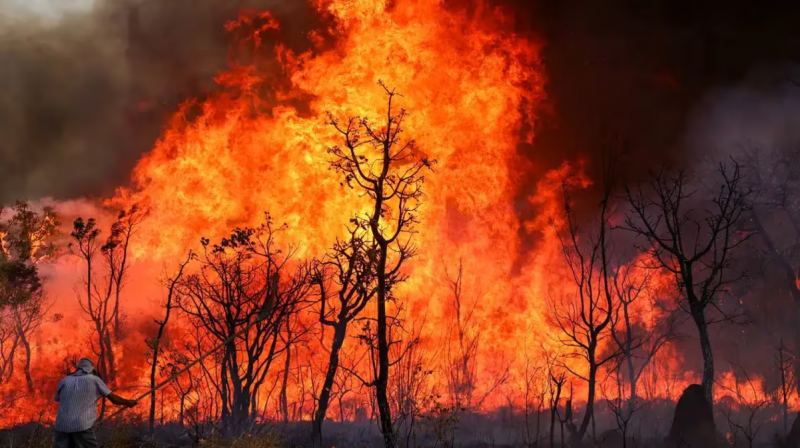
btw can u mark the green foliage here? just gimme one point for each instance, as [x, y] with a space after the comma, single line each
[26, 237]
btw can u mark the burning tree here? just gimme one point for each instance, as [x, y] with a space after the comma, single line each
[346, 281]
[585, 320]
[556, 378]
[751, 399]
[388, 170]
[101, 300]
[622, 409]
[693, 242]
[243, 283]
[155, 344]
[786, 387]
[635, 338]
[461, 356]
[25, 240]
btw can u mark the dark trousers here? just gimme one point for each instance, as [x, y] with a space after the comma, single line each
[83, 439]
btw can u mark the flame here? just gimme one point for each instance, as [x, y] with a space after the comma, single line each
[472, 89]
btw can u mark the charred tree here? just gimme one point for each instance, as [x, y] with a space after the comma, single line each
[634, 339]
[695, 242]
[389, 171]
[346, 281]
[287, 365]
[773, 175]
[786, 388]
[751, 400]
[461, 358]
[155, 344]
[244, 282]
[108, 261]
[555, 378]
[122, 232]
[623, 410]
[584, 320]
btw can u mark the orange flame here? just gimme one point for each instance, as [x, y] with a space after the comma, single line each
[472, 88]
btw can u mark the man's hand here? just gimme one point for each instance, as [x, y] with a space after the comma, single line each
[119, 401]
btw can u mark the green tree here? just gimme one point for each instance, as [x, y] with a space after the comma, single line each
[26, 239]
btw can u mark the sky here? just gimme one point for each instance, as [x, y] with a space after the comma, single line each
[46, 11]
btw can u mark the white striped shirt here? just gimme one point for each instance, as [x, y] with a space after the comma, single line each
[77, 396]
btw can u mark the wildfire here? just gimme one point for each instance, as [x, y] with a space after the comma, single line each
[471, 88]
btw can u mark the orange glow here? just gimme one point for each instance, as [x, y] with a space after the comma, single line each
[472, 89]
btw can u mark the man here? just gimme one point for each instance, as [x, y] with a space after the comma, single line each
[77, 396]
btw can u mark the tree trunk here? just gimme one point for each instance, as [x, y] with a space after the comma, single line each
[182, 411]
[285, 382]
[25, 344]
[112, 367]
[339, 334]
[708, 355]
[152, 420]
[629, 357]
[589, 415]
[553, 412]
[382, 382]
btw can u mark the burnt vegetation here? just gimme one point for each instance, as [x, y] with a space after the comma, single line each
[259, 344]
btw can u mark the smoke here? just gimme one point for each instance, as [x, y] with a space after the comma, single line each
[41, 12]
[755, 121]
[88, 84]
[762, 111]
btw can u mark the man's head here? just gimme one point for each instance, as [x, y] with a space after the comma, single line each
[85, 365]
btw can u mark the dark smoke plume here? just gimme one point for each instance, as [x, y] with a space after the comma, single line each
[86, 89]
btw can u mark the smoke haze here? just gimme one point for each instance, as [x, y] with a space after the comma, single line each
[88, 84]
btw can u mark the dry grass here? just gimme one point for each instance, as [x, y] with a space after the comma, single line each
[262, 441]
[127, 437]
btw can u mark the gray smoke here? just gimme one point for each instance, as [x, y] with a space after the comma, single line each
[757, 122]
[87, 84]
[762, 111]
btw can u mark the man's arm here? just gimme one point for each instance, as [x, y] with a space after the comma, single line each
[103, 390]
[119, 401]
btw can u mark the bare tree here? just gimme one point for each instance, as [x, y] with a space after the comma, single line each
[622, 408]
[182, 385]
[388, 169]
[122, 232]
[243, 283]
[100, 299]
[773, 175]
[556, 378]
[294, 339]
[155, 344]
[535, 390]
[410, 394]
[694, 242]
[346, 281]
[784, 361]
[635, 338]
[461, 356]
[751, 400]
[584, 320]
